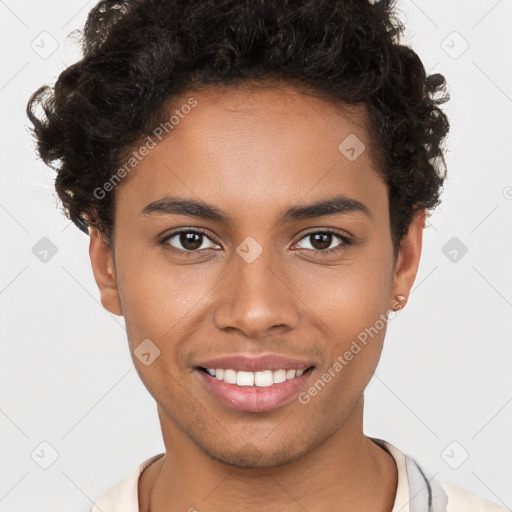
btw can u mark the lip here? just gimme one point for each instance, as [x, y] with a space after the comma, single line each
[255, 364]
[254, 398]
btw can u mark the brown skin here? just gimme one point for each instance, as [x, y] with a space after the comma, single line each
[254, 154]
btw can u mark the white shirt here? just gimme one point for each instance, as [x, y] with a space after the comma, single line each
[123, 496]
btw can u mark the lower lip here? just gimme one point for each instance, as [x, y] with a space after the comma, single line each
[254, 398]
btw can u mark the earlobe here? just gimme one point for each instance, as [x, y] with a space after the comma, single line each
[408, 259]
[104, 272]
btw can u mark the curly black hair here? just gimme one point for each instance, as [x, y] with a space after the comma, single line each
[140, 54]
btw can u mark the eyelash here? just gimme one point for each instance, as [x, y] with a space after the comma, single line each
[340, 248]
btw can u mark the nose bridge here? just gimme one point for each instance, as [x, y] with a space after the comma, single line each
[255, 297]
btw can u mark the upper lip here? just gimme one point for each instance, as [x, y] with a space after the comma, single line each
[255, 364]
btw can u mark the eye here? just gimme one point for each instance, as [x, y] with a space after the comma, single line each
[322, 242]
[188, 240]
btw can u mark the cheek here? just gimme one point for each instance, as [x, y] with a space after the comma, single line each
[155, 294]
[351, 297]
[353, 304]
[165, 304]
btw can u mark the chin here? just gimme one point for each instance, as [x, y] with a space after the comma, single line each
[250, 455]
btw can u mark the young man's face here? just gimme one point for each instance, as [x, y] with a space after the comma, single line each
[254, 286]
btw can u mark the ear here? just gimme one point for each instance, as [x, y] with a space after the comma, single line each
[104, 272]
[408, 259]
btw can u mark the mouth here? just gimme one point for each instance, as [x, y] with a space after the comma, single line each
[257, 391]
[262, 379]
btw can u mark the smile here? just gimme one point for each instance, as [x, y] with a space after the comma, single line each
[260, 379]
[254, 391]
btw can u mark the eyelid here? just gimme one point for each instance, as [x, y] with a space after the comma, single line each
[338, 232]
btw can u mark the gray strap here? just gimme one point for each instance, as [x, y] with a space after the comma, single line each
[425, 494]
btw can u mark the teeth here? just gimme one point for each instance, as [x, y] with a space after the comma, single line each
[279, 376]
[244, 379]
[264, 378]
[229, 376]
[261, 379]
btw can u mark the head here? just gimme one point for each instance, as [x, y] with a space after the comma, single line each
[301, 146]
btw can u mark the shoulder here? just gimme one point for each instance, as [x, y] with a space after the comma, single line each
[124, 495]
[460, 500]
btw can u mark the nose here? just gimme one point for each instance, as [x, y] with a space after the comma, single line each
[256, 297]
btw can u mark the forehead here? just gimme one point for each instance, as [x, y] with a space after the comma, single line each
[260, 144]
[264, 109]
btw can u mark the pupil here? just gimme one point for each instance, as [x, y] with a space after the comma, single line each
[187, 240]
[323, 240]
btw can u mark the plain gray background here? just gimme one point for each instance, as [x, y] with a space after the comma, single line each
[443, 389]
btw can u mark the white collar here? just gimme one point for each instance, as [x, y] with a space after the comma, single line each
[402, 499]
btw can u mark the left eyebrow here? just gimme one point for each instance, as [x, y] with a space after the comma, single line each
[331, 206]
[174, 205]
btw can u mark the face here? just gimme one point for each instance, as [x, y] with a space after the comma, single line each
[257, 273]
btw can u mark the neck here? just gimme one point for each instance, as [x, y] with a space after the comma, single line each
[347, 471]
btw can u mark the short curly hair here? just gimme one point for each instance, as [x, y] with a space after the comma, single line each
[140, 54]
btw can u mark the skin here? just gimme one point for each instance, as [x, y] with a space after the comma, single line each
[254, 153]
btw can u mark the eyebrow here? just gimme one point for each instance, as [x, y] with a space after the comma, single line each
[174, 205]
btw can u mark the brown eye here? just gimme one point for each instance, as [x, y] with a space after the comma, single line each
[322, 241]
[191, 241]
[188, 241]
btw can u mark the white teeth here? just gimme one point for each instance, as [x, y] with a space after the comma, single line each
[229, 376]
[264, 378]
[279, 376]
[244, 379]
[261, 379]
[290, 374]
